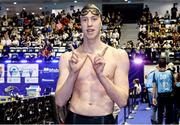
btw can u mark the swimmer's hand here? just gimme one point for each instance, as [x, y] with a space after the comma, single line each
[98, 62]
[76, 63]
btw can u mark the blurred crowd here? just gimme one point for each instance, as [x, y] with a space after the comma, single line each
[156, 35]
[48, 30]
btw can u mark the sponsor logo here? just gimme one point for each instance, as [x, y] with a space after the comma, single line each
[50, 70]
[14, 70]
[13, 80]
[47, 80]
[31, 80]
[22, 70]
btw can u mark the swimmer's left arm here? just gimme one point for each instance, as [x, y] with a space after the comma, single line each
[118, 90]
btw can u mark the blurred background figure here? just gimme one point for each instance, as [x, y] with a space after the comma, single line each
[138, 89]
[163, 88]
[149, 87]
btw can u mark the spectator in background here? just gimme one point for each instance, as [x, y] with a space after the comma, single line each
[75, 35]
[116, 37]
[138, 89]
[115, 34]
[118, 19]
[149, 18]
[155, 25]
[23, 13]
[142, 36]
[167, 46]
[162, 90]
[149, 87]
[146, 9]
[154, 49]
[6, 41]
[5, 51]
[143, 20]
[15, 41]
[167, 15]
[156, 16]
[106, 20]
[174, 11]
[171, 67]
[5, 21]
[46, 52]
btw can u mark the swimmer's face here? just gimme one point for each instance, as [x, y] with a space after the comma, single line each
[91, 24]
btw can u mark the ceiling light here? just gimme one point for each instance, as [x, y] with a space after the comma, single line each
[138, 61]
[14, 3]
[75, 1]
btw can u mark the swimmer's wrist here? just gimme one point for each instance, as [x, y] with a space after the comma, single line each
[101, 75]
[75, 74]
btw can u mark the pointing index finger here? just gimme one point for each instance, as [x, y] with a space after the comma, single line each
[73, 50]
[73, 53]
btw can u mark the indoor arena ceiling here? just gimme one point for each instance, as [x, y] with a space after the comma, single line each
[56, 1]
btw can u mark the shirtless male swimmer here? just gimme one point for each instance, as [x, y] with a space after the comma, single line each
[94, 76]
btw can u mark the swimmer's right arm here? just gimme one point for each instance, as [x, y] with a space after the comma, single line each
[65, 82]
[69, 70]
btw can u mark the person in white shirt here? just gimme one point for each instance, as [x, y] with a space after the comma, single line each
[167, 15]
[167, 47]
[6, 41]
[138, 89]
[15, 41]
[115, 34]
[137, 85]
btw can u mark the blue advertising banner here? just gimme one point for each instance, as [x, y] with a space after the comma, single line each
[45, 75]
[21, 76]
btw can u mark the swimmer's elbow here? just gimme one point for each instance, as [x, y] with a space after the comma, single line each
[123, 102]
[59, 101]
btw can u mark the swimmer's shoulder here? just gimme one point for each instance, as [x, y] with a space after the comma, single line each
[117, 51]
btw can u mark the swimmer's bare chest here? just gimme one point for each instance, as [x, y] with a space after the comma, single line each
[88, 86]
[89, 96]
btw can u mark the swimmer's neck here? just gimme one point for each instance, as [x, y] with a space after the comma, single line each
[92, 47]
